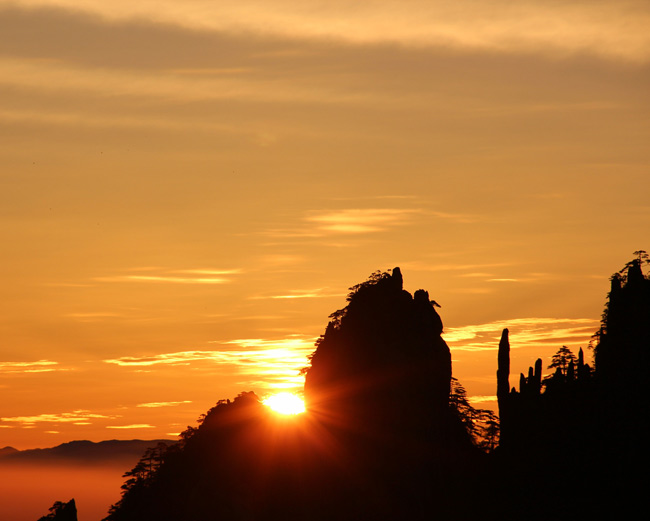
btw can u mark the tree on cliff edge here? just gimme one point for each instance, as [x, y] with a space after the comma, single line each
[380, 354]
[61, 511]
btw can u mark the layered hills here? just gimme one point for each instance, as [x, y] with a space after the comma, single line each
[81, 452]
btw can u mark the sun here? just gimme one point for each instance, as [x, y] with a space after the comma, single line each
[285, 403]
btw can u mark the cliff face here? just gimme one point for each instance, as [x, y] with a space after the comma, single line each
[382, 358]
[623, 350]
[581, 429]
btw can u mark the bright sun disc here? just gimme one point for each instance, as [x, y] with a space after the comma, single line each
[285, 403]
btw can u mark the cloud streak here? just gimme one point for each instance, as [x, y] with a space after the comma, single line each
[132, 426]
[609, 28]
[302, 293]
[197, 276]
[273, 363]
[156, 405]
[524, 333]
[348, 221]
[360, 220]
[40, 366]
[78, 417]
[479, 399]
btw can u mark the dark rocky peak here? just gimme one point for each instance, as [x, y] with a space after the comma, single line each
[396, 279]
[635, 274]
[623, 350]
[62, 511]
[383, 348]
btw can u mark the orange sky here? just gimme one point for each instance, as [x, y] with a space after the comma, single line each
[189, 188]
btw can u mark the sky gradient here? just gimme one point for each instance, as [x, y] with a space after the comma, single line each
[189, 188]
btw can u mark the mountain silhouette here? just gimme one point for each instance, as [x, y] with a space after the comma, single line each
[379, 440]
[389, 434]
[5, 451]
[581, 430]
[61, 511]
[81, 452]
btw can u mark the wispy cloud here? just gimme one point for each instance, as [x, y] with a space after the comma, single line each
[155, 405]
[360, 220]
[272, 363]
[161, 278]
[196, 276]
[524, 332]
[40, 366]
[79, 417]
[177, 358]
[303, 293]
[481, 399]
[132, 426]
[208, 271]
[350, 221]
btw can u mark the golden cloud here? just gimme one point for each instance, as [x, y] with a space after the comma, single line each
[524, 332]
[360, 220]
[155, 405]
[40, 366]
[303, 293]
[132, 426]
[169, 276]
[274, 362]
[79, 417]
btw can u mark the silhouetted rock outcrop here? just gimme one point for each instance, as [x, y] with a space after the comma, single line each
[381, 375]
[61, 511]
[623, 349]
[382, 360]
[379, 440]
[584, 432]
[388, 432]
[503, 378]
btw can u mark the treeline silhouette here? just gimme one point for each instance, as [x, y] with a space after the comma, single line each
[390, 434]
[573, 445]
[61, 511]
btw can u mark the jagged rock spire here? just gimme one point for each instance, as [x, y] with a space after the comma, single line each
[397, 279]
[503, 371]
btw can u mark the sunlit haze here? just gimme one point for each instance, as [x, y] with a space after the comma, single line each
[190, 188]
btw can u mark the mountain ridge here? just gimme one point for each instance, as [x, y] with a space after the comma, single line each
[81, 452]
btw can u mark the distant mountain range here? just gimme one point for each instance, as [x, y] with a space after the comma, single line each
[82, 452]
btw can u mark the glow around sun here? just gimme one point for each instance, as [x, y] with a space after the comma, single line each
[285, 403]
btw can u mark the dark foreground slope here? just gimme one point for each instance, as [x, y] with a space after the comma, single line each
[574, 444]
[384, 438]
[378, 441]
